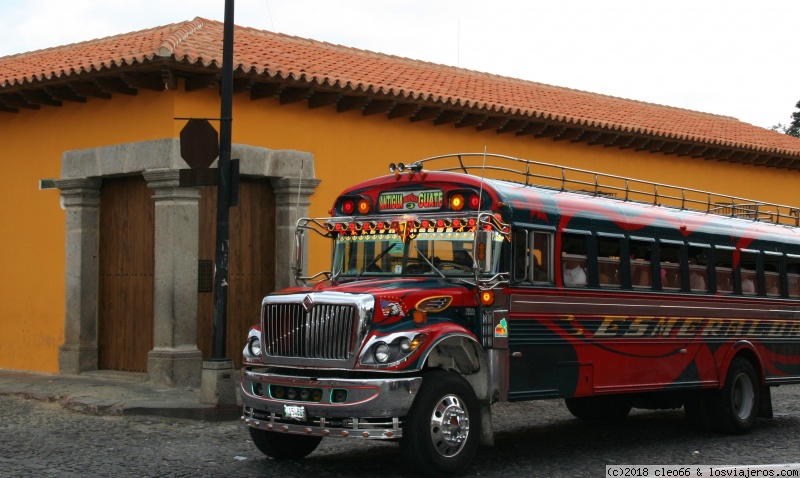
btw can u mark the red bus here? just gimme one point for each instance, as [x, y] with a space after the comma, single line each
[501, 279]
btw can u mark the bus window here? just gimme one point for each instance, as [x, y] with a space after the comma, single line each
[747, 269]
[698, 270]
[772, 276]
[723, 262]
[573, 259]
[641, 268]
[542, 257]
[608, 252]
[670, 255]
[521, 265]
[793, 276]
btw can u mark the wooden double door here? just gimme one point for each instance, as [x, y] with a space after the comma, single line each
[126, 269]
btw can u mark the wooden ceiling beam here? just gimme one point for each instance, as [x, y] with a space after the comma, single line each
[531, 129]
[319, 99]
[294, 95]
[13, 100]
[376, 107]
[550, 131]
[604, 138]
[513, 126]
[493, 122]
[114, 85]
[652, 145]
[200, 82]
[449, 116]
[426, 113]
[635, 143]
[89, 90]
[144, 81]
[586, 137]
[403, 110]
[569, 134]
[349, 103]
[621, 141]
[64, 93]
[39, 97]
[265, 90]
[471, 119]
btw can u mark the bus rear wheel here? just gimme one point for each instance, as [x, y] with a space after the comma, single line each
[600, 409]
[283, 446]
[442, 431]
[734, 408]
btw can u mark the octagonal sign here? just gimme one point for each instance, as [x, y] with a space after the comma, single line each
[199, 143]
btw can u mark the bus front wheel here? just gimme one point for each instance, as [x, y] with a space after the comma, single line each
[442, 431]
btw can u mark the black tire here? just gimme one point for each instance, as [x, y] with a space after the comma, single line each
[283, 446]
[442, 430]
[599, 409]
[734, 408]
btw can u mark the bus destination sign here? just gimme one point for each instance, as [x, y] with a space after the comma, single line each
[416, 200]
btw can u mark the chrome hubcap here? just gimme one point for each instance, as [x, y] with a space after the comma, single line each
[449, 426]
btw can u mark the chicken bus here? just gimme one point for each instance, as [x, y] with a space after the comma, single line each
[492, 279]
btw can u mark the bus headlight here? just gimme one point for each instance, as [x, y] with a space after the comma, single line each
[254, 346]
[381, 352]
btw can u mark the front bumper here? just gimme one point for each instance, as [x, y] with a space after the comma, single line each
[372, 408]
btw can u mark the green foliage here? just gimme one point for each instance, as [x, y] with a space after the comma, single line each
[793, 128]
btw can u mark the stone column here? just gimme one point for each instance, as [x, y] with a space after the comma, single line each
[175, 360]
[292, 198]
[81, 199]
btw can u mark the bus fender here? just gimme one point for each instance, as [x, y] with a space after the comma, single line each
[745, 349]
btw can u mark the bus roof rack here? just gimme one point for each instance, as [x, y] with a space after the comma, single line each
[565, 178]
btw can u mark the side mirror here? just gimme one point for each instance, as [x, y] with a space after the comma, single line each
[483, 251]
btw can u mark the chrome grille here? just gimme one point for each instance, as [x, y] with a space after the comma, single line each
[325, 331]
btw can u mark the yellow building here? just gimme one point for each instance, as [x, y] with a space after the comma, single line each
[111, 269]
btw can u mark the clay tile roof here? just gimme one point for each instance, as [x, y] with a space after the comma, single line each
[278, 56]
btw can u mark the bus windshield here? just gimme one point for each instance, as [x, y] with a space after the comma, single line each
[427, 253]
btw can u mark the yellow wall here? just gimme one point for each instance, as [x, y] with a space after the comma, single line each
[347, 148]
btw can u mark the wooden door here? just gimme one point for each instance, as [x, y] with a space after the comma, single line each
[125, 295]
[251, 271]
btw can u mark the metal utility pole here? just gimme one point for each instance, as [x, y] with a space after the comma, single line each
[224, 188]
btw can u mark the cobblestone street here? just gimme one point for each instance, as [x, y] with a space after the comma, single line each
[532, 439]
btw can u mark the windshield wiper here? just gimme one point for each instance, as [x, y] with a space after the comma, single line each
[429, 262]
[377, 258]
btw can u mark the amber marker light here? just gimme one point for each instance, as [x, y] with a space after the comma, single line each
[456, 202]
[420, 316]
[487, 297]
[363, 206]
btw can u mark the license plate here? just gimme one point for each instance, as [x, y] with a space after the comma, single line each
[295, 412]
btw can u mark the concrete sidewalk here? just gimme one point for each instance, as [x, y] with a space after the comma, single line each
[110, 393]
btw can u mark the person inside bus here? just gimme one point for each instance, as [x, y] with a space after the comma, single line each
[641, 272]
[696, 281]
[748, 287]
[574, 275]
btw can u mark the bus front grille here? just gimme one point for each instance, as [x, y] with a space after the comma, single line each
[324, 331]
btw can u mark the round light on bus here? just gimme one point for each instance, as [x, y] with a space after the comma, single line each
[456, 202]
[381, 352]
[363, 206]
[487, 297]
[348, 207]
[474, 202]
[254, 347]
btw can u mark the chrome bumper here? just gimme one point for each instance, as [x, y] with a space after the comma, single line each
[373, 407]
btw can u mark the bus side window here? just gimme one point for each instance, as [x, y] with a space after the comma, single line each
[521, 257]
[641, 267]
[772, 276]
[608, 252]
[573, 259]
[747, 269]
[793, 276]
[670, 255]
[543, 257]
[698, 269]
[723, 265]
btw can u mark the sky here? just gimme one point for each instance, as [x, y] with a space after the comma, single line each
[734, 58]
